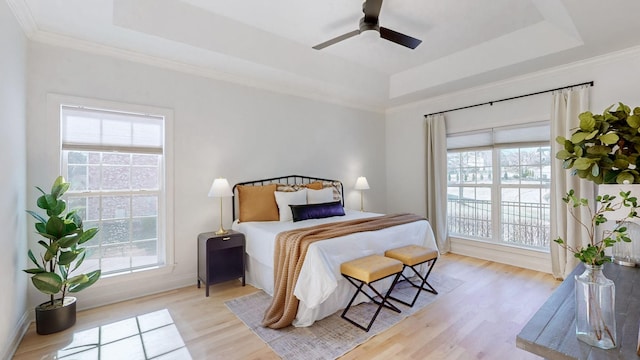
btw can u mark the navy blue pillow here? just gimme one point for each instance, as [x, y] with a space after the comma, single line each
[316, 211]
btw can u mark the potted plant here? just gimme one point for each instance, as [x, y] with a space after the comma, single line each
[604, 149]
[61, 255]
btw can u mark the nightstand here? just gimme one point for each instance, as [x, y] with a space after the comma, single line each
[220, 258]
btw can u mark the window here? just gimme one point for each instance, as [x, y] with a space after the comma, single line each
[498, 190]
[115, 162]
[469, 193]
[524, 196]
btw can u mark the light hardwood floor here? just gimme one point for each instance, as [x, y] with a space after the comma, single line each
[478, 320]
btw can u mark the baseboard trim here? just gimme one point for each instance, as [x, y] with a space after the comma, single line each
[18, 333]
[118, 292]
[504, 254]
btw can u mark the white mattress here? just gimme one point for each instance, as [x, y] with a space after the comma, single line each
[321, 288]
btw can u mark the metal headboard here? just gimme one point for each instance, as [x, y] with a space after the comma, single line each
[286, 180]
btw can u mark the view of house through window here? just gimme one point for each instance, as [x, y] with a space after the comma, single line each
[114, 162]
[500, 193]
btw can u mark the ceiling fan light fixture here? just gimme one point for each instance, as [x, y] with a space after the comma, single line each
[371, 10]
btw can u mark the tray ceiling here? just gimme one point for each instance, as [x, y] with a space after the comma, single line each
[269, 43]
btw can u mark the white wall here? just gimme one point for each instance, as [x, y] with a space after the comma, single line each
[13, 307]
[616, 78]
[221, 130]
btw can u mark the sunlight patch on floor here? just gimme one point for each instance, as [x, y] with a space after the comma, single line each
[144, 337]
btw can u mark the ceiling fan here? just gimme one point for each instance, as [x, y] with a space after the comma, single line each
[371, 10]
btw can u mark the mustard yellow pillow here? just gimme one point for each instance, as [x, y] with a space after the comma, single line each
[315, 185]
[258, 203]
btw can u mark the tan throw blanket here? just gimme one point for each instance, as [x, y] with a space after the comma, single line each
[291, 249]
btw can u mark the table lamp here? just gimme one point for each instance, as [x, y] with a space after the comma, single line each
[362, 184]
[220, 188]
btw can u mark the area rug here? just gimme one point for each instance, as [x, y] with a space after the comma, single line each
[333, 336]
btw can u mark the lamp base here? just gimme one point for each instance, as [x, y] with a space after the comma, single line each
[222, 231]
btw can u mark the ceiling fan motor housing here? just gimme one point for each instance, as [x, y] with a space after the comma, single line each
[371, 10]
[365, 25]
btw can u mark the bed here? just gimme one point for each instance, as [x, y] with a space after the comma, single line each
[320, 288]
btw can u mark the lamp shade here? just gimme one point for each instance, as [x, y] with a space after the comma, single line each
[362, 184]
[220, 188]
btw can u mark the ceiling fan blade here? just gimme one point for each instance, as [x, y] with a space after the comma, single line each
[371, 10]
[398, 38]
[337, 39]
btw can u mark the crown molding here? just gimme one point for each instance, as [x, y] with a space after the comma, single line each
[23, 15]
[545, 73]
[320, 92]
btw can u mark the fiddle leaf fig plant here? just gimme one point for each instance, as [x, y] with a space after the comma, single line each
[61, 252]
[605, 148]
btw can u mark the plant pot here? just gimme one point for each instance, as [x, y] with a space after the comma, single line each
[595, 308]
[51, 319]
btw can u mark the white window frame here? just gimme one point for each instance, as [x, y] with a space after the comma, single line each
[483, 140]
[166, 199]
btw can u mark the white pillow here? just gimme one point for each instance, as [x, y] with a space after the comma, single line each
[319, 196]
[286, 198]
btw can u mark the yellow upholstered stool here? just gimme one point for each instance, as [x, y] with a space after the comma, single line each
[410, 256]
[367, 270]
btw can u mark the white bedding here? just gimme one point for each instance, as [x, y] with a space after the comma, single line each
[321, 288]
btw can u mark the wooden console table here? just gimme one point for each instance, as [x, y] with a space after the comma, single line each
[551, 332]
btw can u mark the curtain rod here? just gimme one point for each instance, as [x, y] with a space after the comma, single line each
[590, 83]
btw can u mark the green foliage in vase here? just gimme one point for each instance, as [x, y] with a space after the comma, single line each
[63, 234]
[594, 252]
[605, 148]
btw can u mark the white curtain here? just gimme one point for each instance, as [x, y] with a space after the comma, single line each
[436, 178]
[567, 105]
